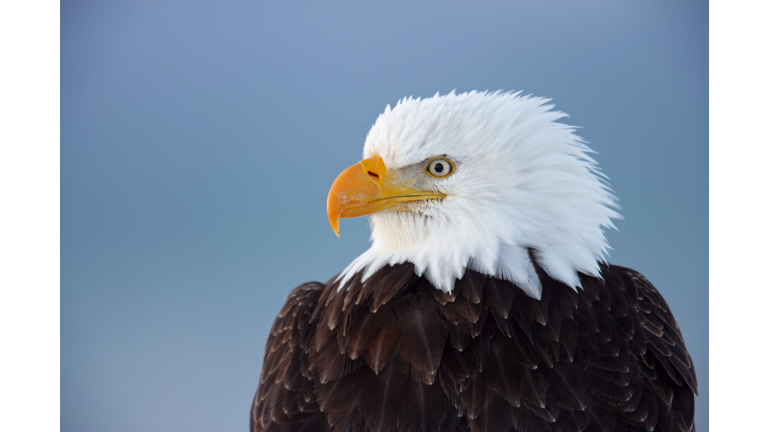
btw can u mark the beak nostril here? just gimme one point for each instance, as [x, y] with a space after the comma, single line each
[373, 174]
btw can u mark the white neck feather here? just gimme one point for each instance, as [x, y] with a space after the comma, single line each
[522, 181]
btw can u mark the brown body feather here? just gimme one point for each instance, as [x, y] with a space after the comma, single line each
[396, 354]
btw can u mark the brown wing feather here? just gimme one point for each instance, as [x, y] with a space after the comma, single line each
[285, 400]
[393, 353]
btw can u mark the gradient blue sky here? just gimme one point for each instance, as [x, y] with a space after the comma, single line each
[199, 140]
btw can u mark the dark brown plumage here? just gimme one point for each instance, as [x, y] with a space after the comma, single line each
[396, 354]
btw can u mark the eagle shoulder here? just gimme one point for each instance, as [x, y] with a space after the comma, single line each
[285, 399]
[395, 353]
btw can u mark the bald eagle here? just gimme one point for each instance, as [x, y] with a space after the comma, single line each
[485, 302]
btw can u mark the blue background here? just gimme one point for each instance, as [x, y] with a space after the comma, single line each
[199, 140]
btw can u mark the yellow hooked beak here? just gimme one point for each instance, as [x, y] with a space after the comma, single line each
[367, 187]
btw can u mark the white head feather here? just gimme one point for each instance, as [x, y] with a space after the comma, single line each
[522, 181]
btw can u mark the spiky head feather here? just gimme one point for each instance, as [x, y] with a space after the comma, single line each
[523, 182]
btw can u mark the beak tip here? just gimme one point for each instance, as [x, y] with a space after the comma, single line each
[335, 225]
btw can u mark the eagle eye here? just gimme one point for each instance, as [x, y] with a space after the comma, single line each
[440, 168]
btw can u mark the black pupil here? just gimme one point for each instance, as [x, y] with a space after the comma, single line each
[438, 167]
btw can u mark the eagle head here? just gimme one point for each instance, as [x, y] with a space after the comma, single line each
[477, 181]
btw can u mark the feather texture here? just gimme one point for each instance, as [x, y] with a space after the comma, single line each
[394, 353]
